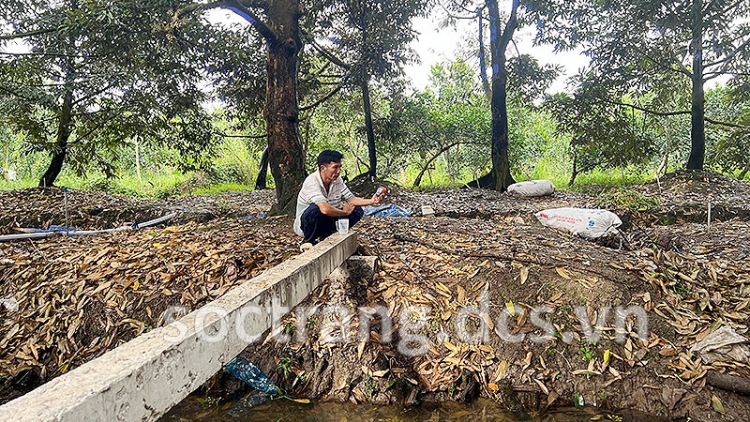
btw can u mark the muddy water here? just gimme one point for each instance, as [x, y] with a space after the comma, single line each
[191, 410]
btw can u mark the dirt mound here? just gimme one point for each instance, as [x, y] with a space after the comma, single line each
[43, 207]
[498, 276]
[685, 195]
[484, 203]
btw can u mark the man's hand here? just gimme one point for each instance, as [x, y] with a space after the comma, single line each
[376, 199]
[348, 208]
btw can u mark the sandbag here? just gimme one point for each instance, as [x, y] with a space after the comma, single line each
[532, 188]
[584, 222]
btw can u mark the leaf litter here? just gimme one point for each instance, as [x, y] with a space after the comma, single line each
[691, 279]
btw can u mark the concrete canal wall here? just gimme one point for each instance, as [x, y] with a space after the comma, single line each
[144, 378]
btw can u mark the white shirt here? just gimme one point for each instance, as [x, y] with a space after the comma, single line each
[314, 192]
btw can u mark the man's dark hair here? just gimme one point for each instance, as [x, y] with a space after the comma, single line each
[329, 156]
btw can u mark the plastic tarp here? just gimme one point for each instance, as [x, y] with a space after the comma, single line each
[387, 211]
[52, 228]
[723, 344]
[251, 375]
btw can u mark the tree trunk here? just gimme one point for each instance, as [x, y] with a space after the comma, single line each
[574, 172]
[697, 111]
[370, 131]
[664, 166]
[483, 59]
[426, 166]
[260, 181]
[281, 111]
[499, 43]
[64, 129]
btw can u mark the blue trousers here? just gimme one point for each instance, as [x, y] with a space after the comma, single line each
[316, 225]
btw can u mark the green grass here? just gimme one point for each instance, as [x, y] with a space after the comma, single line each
[598, 181]
[221, 187]
[6, 185]
[152, 185]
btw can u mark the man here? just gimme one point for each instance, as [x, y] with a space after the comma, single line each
[319, 203]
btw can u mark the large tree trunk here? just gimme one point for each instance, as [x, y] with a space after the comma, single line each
[499, 43]
[697, 111]
[281, 111]
[368, 127]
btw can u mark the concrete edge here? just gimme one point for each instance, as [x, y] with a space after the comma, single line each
[144, 378]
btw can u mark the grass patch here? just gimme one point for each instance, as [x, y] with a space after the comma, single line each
[6, 185]
[220, 187]
[597, 182]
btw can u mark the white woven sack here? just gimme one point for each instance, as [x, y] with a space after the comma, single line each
[584, 222]
[532, 188]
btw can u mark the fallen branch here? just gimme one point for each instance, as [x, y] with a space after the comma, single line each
[728, 382]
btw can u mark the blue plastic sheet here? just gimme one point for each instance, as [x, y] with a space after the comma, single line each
[251, 375]
[52, 228]
[387, 211]
[258, 215]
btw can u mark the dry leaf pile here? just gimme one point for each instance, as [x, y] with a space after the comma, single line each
[42, 207]
[485, 203]
[449, 265]
[705, 285]
[77, 298]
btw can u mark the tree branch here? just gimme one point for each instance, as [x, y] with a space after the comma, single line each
[646, 110]
[239, 8]
[727, 124]
[674, 113]
[27, 34]
[418, 179]
[510, 26]
[713, 75]
[730, 7]
[731, 56]
[328, 55]
[225, 135]
[197, 7]
[322, 100]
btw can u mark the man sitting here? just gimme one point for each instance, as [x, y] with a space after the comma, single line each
[324, 198]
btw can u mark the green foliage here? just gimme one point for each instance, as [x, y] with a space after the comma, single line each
[370, 37]
[129, 69]
[527, 80]
[729, 146]
[599, 181]
[638, 50]
[603, 137]
[587, 351]
[284, 367]
[449, 119]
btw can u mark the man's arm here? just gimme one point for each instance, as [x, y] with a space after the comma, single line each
[330, 211]
[359, 202]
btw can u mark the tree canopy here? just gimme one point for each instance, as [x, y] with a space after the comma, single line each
[654, 47]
